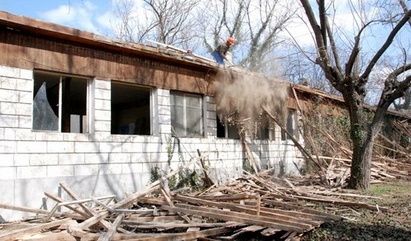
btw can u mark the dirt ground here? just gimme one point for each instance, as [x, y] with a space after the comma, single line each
[363, 224]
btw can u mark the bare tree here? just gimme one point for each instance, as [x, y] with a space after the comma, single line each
[351, 82]
[173, 19]
[256, 26]
[166, 21]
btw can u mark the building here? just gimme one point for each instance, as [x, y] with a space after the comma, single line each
[97, 114]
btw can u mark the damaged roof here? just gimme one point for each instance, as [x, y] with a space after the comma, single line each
[160, 53]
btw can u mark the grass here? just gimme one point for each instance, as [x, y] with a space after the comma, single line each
[362, 224]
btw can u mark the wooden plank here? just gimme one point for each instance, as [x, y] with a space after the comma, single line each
[13, 235]
[270, 216]
[343, 203]
[230, 197]
[110, 232]
[172, 225]
[38, 211]
[185, 236]
[153, 186]
[284, 217]
[60, 200]
[93, 220]
[303, 211]
[233, 216]
[159, 236]
[251, 228]
[48, 236]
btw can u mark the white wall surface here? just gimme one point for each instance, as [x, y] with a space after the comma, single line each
[98, 163]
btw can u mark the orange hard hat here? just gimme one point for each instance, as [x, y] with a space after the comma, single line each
[230, 40]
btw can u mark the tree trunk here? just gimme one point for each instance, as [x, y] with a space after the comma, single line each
[361, 162]
[362, 141]
[363, 134]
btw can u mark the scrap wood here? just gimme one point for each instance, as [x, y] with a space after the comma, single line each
[251, 228]
[297, 144]
[344, 203]
[38, 211]
[59, 200]
[154, 185]
[110, 232]
[15, 234]
[235, 216]
[286, 216]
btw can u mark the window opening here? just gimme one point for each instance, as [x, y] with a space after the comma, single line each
[130, 109]
[60, 103]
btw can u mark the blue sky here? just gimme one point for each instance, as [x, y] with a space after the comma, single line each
[89, 15]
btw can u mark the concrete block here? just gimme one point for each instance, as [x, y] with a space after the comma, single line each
[7, 147]
[95, 158]
[118, 158]
[9, 121]
[6, 160]
[31, 172]
[164, 118]
[22, 159]
[48, 136]
[102, 126]
[25, 97]
[73, 137]
[152, 147]
[135, 147]
[43, 159]
[8, 83]
[71, 159]
[86, 170]
[132, 168]
[164, 110]
[31, 147]
[111, 168]
[24, 122]
[84, 147]
[104, 115]
[139, 157]
[100, 104]
[102, 84]
[26, 74]
[60, 171]
[60, 147]
[9, 95]
[6, 71]
[25, 85]
[111, 147]
[103, 94]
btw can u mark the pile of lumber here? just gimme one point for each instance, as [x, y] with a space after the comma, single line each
[261, 205]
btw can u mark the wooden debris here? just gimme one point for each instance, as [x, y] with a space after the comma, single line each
[263, 205]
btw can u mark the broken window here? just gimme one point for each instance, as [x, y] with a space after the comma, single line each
[187, 114]
[226, 130]
[130, 109]
[291, 126]
[60, 103]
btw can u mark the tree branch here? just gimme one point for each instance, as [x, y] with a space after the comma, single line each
[386, 44]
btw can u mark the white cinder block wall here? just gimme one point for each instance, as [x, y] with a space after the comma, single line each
[98, 163]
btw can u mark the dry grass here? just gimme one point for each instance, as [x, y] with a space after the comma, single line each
[361, 224]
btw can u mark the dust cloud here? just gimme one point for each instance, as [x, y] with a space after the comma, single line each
[241, 97]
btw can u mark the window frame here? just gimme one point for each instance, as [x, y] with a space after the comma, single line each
[84, 122]
[173, 109]
[146, 91]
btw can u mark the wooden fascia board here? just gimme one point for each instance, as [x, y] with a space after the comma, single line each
[41, 28]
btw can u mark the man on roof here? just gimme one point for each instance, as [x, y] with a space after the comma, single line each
[221, 53]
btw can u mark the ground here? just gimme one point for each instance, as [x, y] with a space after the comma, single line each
[363, 224]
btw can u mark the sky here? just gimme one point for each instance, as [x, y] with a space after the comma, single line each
[88, 15]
